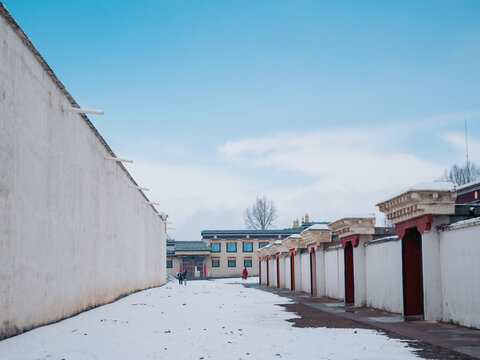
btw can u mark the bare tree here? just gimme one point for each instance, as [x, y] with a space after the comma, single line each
[461, 175]
[261, 215]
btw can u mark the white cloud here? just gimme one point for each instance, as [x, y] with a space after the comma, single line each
[337, 173]
[457, 140]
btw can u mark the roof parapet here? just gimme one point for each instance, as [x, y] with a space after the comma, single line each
[361, 225]
[420, 199]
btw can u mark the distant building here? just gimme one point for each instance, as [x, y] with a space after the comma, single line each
[469, 193]
[225, 253]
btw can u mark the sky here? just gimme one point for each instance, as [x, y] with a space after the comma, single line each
[324, 107]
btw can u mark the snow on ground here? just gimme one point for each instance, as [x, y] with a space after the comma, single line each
[218, 319]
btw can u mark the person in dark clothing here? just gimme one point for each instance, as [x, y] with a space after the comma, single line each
[180, 277]
[184, 275]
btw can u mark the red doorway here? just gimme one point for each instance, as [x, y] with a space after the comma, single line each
[260, 271]
[412, 273]
[268, 270]
[292, 270]
[313, 272]
[349, 274]
[278, 271]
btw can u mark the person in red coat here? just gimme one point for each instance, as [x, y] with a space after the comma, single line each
[245, 274]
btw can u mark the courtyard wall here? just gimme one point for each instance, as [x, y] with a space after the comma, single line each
[73, 234]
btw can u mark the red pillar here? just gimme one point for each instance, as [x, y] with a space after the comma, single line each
[259, 270]
[268, 270]
[278, 270]
[313, 272]
[204, 268]
[292, 269]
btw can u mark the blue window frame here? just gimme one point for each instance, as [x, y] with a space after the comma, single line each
[215, 247]
[247, 246]
[232, 263]
[231, 247]
[215, 263]
[261, 244]
[247, 263]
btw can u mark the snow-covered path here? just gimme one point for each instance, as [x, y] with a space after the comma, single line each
[204, 320]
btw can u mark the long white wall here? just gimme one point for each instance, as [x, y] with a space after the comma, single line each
[305, 263]
[460, 269]
[383, 267]
[73, 235]
[335, 273]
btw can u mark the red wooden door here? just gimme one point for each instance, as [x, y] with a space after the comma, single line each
[412, 273]
[349, 279]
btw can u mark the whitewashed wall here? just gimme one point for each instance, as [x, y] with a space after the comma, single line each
[298, 271]
[271, 274]
[306, 283]
[288, 276]
[320, 269]
[282, 271]
[73, 235]
[359, 272]
[460, 269]
[263, 273]
[335, 273]
[383, 266]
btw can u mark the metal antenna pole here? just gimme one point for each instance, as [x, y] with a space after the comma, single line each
[466, 141]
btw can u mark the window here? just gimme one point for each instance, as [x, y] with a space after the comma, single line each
[231, 247]
[169, 263]
[232, 262]
[215, 247]
[215, 262]
[247, 246]
[247, 263]
[262, 244]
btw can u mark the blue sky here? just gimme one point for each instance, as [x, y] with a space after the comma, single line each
[325, 107]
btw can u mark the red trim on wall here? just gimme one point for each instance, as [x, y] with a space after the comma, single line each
[354, 239]
[313, 272]
[292, 270]
[422, 223]
[260, 271]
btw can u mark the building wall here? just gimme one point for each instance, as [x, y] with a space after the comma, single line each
[288, 276]
[359, 271]
[383, 267]
[282, 272]
[320, 269]
[460, 269]
[73, 234]
[334, 273]
[305, 263]
[175, 267]
[298, 271]
[224, 270]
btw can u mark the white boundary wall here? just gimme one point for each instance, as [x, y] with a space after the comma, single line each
[305, 263]
[383, 266]
[460, 269]
[73, 235]
[335, 273]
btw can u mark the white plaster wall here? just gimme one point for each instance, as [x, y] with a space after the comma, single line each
[432, 276]
[288, 278]
[384, 284]
[274, 266]
[271, 264]
[320, 271]
[360, 287]
[282, 271]
[460, 268]
[264, 272]
[298, 271]
[72, 233]
[335, 274]
[306, 284]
